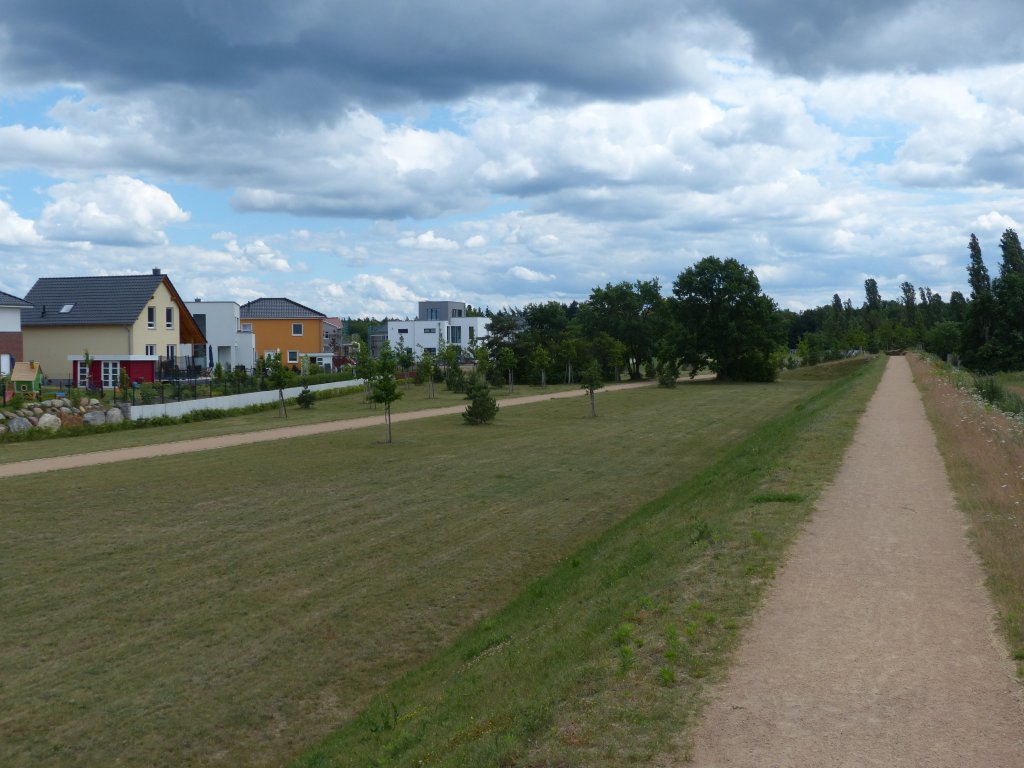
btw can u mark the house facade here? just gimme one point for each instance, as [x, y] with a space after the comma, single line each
[437, 323]
[87, 330]
[286, 327]
[227, 343]
[12, 348]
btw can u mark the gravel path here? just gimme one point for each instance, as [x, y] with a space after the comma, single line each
[34, 466]
[875, 645]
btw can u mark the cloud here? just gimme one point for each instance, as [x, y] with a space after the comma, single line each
[14, 230]
[529, 275]
[116, 210]
[428, 241]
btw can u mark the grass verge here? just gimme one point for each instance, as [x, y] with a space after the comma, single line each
[603, 661]
[983, 450]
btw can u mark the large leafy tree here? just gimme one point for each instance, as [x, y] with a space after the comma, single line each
[726, 323]
[628, 312]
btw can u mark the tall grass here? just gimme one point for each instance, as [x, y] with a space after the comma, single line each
[983, 448]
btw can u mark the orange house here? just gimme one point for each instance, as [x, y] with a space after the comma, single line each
[285, 326]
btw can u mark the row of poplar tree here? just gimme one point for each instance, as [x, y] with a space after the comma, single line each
[984, 331]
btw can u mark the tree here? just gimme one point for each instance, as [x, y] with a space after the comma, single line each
[278, 375]
[425, 372]
[977, 331]
[629, 313]
[591, 381]
[365, 369]
[727, 323]
[385, 384]
[507, 363]
[482, 406]
[540, 362]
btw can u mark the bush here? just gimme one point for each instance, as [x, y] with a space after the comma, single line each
[305, 398]
[482, 407]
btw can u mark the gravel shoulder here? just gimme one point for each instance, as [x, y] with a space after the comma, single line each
[876, 644]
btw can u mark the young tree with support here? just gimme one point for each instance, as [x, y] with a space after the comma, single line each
[385, 384]
[591, 381]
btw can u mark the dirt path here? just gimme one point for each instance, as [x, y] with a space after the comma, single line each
[34, 466]
[875, 645]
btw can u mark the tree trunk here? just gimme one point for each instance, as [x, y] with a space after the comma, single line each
[387, 422]
[593, 404]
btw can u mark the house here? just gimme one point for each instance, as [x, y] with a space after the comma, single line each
[27, 379]
[11, 343]
[438, 322]
[88, 330]
[289, 328]
[227, 343]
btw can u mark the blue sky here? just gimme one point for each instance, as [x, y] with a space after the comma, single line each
[361, 156]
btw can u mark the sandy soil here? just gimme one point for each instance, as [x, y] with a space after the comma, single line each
[34, 466]
[875, 645]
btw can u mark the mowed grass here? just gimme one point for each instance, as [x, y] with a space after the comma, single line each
[234, 607]
[984, 455]
[341, 405]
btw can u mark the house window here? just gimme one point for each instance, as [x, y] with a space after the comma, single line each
[83, 374]
[293, 355]
[430, 330]
[403, 331]
[296, 329]
[151, 317]
[110, 373]
[456, 313]
[246, 327]
[170, 352]
[151, 349]
[66, 308]
[455, 334]
[431, 314]
[169, 317]
[472, 334]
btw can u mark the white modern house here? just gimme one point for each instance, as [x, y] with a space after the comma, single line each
[438, 322]
[230, 344]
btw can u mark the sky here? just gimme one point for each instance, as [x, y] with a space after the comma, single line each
[359, 156]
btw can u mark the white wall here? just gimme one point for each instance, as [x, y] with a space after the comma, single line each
[10, 319]
[228, 401]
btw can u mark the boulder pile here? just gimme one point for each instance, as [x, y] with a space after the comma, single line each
[55, 414]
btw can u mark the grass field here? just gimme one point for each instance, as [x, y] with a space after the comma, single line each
[236, 607]
[984, 455]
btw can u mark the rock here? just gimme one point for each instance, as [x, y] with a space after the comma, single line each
[18, 424]
[49, 421]
[93, 402]
[2, 429]
[114, 416]
[94, 417]
[33, 420]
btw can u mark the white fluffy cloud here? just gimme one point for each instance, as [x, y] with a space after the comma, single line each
[115, 210]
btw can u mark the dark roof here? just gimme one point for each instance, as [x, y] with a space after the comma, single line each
[110, 300]
[6, 300]
[276, 309]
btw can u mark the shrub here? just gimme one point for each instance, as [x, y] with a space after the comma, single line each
[305, 398]
[482, 407]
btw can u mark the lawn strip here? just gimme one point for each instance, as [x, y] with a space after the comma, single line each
[603, 661]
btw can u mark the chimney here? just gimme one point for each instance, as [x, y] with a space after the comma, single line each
[156, 270]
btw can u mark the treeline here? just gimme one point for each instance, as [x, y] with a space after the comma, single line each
[716, 318]
[984, 331]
